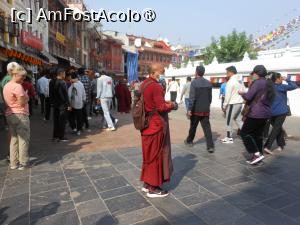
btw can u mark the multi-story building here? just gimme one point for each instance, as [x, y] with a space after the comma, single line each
[112, 55]
[20, 41]
[151, 51]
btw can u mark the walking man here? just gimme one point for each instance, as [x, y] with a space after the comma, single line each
[173, 89]
[157, 161]
[186, 92]
[233, 103]
[85, 80]
[104, 96]
[43, 92]
[199, 108]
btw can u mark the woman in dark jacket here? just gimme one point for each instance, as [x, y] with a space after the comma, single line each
[279, 111]
[259, 98]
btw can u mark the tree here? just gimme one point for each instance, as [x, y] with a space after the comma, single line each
[230, 48]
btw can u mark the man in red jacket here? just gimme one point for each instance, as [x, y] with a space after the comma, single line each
[157, 161]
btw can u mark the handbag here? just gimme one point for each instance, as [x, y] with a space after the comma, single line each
[246, 110]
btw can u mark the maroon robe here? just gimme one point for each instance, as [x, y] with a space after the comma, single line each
[157, 161]
[124, 98]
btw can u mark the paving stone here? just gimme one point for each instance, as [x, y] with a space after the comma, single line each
[40, 186]
[90, 157]
[15, 210]
[15, 187]
[76, 182]
[130, 152]
[133, 176]
[261, 193]
[213, 186]
[198, 198]
[289, 188]
[54, 171]
[110, 183]
[114, 158]
[74, 172]
[171, 208]
[217, 212]
[293, 211]
[49, 178]
[186, 188]
[83, 194]
[245, 220]
[269, 216]
[101, 172]
[240, 200]
[281, 201]
[126, 203]
[117, 192]
[138, 216]
[59, 219]
[157, 221]
[90, 207]
[123, 166]
[103, 218]
[219, 173]
[236, 180]
[265, 179]
[49, 203]
[241, 169]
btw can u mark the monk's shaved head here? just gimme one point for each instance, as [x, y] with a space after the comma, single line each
[155, 70]
[156, 67]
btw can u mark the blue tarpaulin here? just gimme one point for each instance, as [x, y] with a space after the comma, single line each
[132, 66]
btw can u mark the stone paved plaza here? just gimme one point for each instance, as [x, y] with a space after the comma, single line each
[103, 187]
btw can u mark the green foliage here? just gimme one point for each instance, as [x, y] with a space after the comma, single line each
[230, 48]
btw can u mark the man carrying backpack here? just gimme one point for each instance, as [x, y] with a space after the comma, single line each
[157, 161]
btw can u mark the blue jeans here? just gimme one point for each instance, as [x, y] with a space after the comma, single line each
[187, 102]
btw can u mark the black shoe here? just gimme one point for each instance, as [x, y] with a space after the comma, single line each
[211, 150]
[189, 144]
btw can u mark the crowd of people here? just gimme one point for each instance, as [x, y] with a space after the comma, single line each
[75, 95]
[66, 96]
[253, 110]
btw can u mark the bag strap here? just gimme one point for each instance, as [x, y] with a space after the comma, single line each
[145, 87]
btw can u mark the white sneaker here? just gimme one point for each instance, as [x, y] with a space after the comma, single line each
[78, 133]
[268, 151]
[279, 149]
[111, 129]
[255, 159]
[227, 140]
[14, 167]
[89, 118]
[116, 122]
[145, 190]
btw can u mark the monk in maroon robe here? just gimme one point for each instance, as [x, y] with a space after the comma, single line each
[157, 161]
[124, 97]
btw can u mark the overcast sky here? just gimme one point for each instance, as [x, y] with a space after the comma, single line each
[195, 22]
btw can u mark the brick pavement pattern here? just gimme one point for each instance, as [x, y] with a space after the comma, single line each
[92, 186]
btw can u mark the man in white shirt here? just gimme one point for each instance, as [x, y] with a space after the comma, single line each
[77, 98]
[233, 103]
[105, 93]
[173, 89]
[43, 92]
[186, 92]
